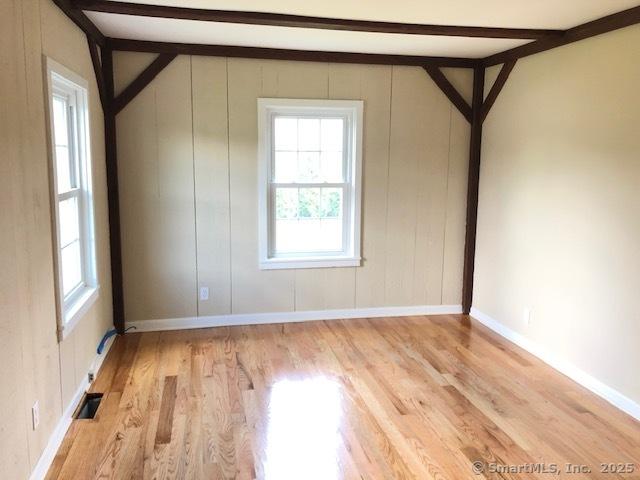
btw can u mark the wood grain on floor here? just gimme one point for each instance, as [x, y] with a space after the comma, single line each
[393, 398]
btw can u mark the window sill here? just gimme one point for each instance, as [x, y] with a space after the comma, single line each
[77, 310]
[317, 262]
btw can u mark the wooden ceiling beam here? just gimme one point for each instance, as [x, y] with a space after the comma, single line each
[450, 91]
[142, 80]
[505, 71]
[299, 21]
[96, 61]
[602, 25]
[284, 54]
[81, 20]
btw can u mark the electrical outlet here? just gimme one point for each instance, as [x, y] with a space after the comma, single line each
[526, 316]
[204, 293]
[35, 415]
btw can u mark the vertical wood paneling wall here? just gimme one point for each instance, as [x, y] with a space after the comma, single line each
[187, 151]
[33, 365]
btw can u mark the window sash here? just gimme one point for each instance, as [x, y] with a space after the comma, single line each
[345, 185]
[69, 95]
[78, 194]
[74, 117]
[345, 216]
[71, 90]
[346, 141]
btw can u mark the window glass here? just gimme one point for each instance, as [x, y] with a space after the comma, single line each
[69, 221]
[286, 134]
[332, 132]
[308, 150]
[71, 267]
[309, 135]
[308, 220]
[62, 137]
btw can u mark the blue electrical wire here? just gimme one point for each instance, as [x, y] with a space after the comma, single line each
[107, 336]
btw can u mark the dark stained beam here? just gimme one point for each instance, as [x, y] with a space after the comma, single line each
[142, 80]
[606, 24]
[472, 189]
[505, 71]
[81, 20]
[298, 21]
[450, 91]
[284, 54]
[113, 195]
[97, 69]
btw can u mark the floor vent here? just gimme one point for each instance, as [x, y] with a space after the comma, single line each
[89, 406]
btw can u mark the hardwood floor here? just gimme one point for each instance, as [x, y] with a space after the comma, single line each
[401, 398]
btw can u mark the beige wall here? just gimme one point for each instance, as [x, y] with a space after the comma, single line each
[187, 154]
[33, 365]
[559, 210]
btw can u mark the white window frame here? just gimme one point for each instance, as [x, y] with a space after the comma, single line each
[352, 112]
[63, 82]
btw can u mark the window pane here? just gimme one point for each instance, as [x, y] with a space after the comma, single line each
[309, 134]
[65, 164]
[287, 203]
[309, 167]
[309, 202]
[331, 203]
[332, 131]
[286, 133]
[319, 146]
[69, 221]
[73, 150]
[60, 123]
[286, 168]
[62, 169]
[331, 165]
[317, 226]
[71, 267]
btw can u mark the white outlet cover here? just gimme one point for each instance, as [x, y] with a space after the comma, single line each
[204, 293]
[526, 316]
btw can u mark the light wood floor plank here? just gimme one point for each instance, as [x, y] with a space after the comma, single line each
[392, 398]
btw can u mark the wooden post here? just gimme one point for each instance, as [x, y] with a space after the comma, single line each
[112, 191]
[472, 187]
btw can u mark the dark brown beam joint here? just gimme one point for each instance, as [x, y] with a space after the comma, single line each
[147, 75]
[505, 71]
[299, 21]
[284, 54]
[97, 69]
[472, 190]
[450, 91]
[606, 24]
[81, 20]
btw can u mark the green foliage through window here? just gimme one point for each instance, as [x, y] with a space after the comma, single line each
[308, 203]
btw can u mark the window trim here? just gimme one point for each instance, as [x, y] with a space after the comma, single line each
[352, 111]
[71, 309]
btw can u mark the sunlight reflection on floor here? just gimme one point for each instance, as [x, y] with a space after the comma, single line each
[302, 435]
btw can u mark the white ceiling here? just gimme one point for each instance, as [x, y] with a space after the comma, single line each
[189, 31]
[551, 14]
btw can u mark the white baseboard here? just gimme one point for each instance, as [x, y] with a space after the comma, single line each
[579, 376]
[289, 317]
[55, 440]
